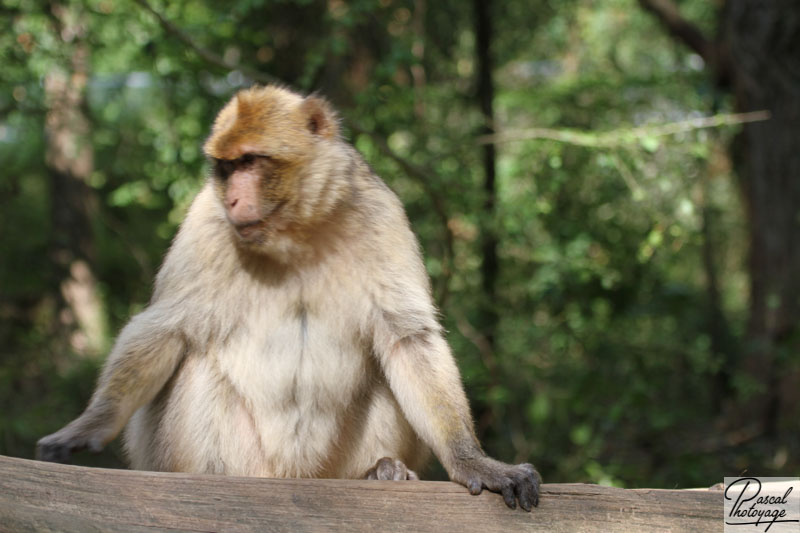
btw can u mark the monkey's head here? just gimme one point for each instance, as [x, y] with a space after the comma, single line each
[273, 153]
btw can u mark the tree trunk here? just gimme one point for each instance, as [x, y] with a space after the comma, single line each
[757, 55]
[762, 39]
[69, 160]
[37, 496]
[485, 93]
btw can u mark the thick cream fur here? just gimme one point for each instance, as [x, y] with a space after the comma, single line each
[314, 355]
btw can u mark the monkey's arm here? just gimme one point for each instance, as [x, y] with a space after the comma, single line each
[425, 380]
[144, 356]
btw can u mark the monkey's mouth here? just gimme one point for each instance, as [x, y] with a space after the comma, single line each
[251, 231]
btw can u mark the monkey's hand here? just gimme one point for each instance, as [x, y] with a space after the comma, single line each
[75, 437]
[515, 482]
[390, 469]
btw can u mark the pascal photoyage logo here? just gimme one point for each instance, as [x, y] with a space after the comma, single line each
[764, 503]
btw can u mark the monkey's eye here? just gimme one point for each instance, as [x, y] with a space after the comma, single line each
[224, 167]
[246, 159]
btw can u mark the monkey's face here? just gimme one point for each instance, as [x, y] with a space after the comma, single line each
[261, 146]
[250, 189]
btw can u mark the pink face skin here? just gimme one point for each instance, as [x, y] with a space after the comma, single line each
[249, 196]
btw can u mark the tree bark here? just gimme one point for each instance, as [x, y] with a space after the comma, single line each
[762, 39]
[485, 94]
[37, 496]
[757, 56]
[69, 160]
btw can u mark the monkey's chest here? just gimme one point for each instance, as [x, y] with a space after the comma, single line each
[277, 394]
[292, 358]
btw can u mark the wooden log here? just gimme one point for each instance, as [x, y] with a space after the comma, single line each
[37, 496]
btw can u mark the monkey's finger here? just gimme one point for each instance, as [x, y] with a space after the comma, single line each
[413, 476]
[95, 445]
[400, 471]
[524, 492]
[475, 486]
[533, 480]
[385, 469]
[53, 453]
[507, 489]
[536, 483]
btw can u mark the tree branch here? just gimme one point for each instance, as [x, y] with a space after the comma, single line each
[37, 496]
[205, 54]
[668, 14]
[623, 136]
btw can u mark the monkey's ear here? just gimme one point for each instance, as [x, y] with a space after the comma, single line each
[320, 117]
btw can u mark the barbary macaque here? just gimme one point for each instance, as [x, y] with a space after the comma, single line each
[291, 332]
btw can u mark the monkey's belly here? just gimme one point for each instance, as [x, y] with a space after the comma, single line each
[301, 415]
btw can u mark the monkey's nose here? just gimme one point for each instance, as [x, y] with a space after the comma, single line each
[243, 213]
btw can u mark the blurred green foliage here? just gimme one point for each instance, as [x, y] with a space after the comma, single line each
[602, 370]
